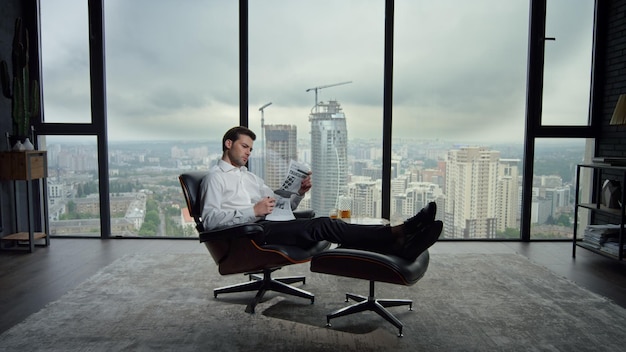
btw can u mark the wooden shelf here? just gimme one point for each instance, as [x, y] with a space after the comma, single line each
[594, 248]
[23, 236]
[25, 165]
[602, 208]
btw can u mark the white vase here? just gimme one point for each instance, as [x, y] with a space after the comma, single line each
[28, 145]
[18, 146]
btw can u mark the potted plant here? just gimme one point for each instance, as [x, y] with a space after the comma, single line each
[23, 92]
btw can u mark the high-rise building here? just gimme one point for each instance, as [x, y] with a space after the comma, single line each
[399, 184]
[281, 143]
[365, 199]
[507, 195]
[551, 202]
[329, 156]
[471, 193]
[413, 198]
[358, 167]
[395, 168]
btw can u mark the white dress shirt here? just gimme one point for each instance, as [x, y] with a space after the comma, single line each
[229, 193]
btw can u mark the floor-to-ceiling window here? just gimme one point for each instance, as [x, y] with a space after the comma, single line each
[321, 65]
[172, 91]
[316, 71]
[565, 103]
[458, 113]
[72, 184]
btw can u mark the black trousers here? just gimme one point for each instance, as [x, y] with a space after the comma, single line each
[304, 232]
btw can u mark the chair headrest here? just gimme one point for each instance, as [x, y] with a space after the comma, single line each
[190, 182]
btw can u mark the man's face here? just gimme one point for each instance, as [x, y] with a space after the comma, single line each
[239, 151]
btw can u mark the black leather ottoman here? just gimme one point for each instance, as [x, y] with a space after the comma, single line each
[374, 267]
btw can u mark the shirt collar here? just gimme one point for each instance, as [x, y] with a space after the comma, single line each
[227, 167]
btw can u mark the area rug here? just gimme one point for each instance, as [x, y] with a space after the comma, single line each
[467, 302]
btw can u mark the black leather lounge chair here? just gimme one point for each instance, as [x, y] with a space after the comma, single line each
[235, 252]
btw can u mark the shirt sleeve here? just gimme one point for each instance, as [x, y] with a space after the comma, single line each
[295, 201]
[213, 216]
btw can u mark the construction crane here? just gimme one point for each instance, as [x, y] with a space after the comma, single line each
[262, 110]
[325, 86]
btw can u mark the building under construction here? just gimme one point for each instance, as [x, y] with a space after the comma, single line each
[329, 155]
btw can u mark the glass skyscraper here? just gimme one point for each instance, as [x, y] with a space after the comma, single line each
[329, 156]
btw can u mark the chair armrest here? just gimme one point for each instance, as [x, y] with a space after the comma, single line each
[245, 230]
[304, 213]
[235, 231]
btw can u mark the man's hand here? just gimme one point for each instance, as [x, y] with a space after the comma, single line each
[264, 206]
[306, 185]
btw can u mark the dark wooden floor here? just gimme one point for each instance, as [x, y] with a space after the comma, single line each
[28, 281]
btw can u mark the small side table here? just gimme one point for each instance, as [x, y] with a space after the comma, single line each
[360, 220]
[27, 166]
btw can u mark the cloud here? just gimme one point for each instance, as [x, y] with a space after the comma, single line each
[173, 67]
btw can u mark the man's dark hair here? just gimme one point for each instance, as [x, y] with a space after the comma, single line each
[234, 133]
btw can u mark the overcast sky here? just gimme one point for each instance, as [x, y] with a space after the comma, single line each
[459, 66]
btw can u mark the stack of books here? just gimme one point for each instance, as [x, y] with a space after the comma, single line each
[603, 237]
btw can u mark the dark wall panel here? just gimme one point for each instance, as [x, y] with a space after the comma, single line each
[611, 140]
[9, 10]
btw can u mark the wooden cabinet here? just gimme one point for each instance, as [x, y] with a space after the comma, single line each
[27, 167]
[593, 203]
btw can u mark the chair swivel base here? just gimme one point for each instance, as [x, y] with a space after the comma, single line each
[265, 283]
[372, 304]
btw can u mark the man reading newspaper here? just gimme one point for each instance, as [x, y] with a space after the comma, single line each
[231, 195]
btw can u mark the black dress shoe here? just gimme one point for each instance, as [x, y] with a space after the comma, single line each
[417, 243]
[424, 217]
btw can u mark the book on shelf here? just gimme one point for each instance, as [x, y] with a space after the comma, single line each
[609, 160]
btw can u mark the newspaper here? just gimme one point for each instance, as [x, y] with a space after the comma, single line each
[291, 185]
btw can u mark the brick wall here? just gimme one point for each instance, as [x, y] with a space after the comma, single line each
[611, 140]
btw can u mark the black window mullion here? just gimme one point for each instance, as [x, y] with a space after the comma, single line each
[98, 108]
[387, 109]
[243, 63]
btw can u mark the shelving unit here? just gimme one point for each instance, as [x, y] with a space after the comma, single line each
[27, 166]
[594, 204]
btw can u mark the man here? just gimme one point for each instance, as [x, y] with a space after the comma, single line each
[231, 195]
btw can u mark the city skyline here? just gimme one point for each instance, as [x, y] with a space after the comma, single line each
[152, 172]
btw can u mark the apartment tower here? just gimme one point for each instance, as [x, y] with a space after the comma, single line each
[508, 194]
[471, 193]
[281, 147]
